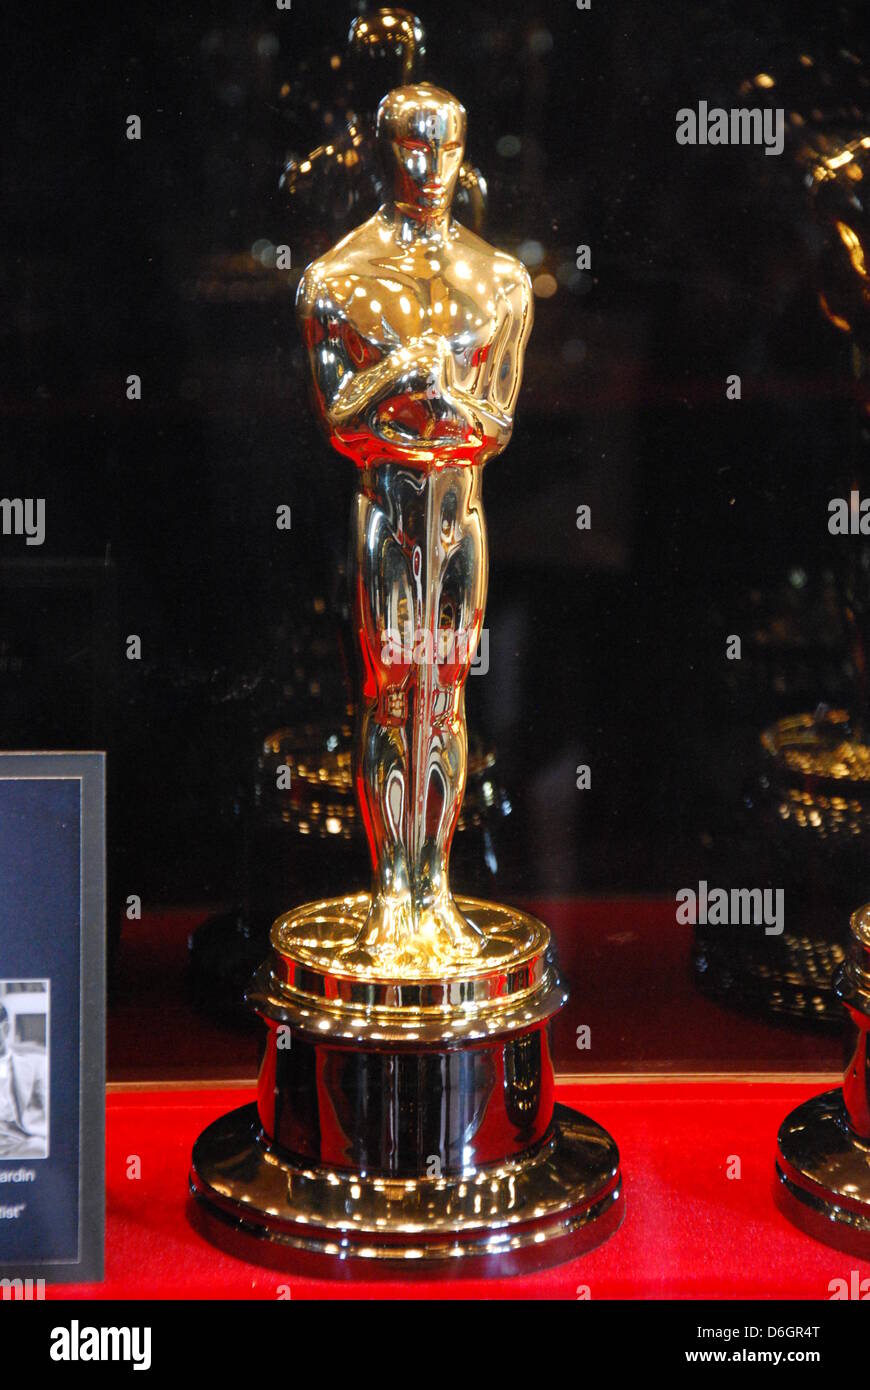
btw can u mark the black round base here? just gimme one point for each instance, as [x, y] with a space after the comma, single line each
[823, 1175]
[531, 1211]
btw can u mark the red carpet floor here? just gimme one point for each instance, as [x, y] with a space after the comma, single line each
[689, 1232]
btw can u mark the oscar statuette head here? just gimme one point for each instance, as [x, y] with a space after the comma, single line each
[421, 139]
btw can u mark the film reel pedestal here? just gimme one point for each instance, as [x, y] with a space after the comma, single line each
[409, 1122]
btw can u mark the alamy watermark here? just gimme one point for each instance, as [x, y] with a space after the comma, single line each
[741, 125]
[77, 1343]
[23, 516]
[734, 907]
[22, 1290]
[410, 646]
[849, 516]
[854, 1288]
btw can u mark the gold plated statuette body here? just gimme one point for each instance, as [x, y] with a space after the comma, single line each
[405, 1114]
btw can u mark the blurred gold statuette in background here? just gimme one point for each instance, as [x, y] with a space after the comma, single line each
[386, 47]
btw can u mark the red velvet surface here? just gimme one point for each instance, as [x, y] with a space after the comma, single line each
[689, 1232]
[627, 963]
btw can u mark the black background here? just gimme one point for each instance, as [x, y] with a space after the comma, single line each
[607, 647]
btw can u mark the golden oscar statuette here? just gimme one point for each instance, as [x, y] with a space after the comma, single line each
[405, 1119]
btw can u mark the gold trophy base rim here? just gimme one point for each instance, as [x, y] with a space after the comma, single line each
[319, 935]
[823, 1175]
[552, 1204]
[305, 983]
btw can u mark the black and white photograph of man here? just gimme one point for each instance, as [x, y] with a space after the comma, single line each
[23, 1069]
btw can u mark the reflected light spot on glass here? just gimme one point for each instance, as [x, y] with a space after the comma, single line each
[545, 285]
[531, 253]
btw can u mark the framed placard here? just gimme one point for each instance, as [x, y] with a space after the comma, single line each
[52, 1016]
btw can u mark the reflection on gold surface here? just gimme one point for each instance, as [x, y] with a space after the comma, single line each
[415, 331]
[321, 796]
